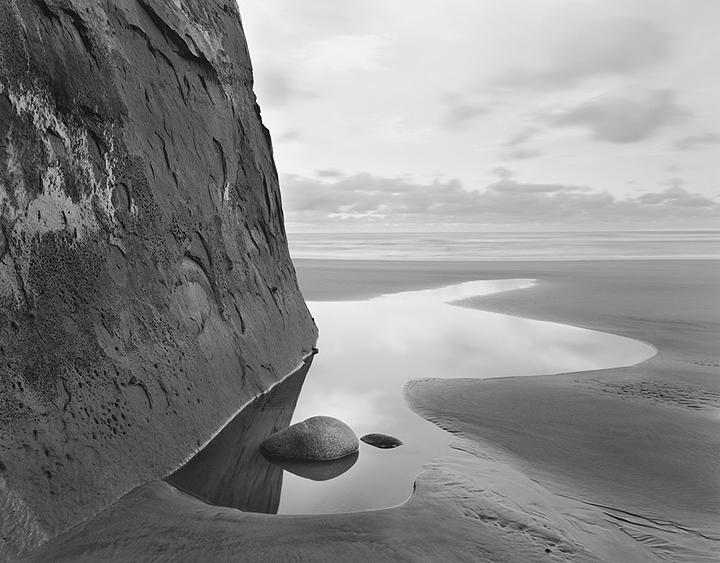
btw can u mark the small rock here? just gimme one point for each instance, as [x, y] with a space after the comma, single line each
[317, 438]
[381, 441]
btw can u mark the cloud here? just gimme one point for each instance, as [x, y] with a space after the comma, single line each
[292, 135]
[275, 88]
[698, 141]
[314, 17]
[400, 128]
[676, 196]
[619, 119]
[340, 53]
[460, 113]
[329, 173]
[523, 154]
[367, 198]
[511, 186]
[618, 46]
[523, 136]
[502, 172]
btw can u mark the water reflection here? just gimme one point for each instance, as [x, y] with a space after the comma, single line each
[230, 471]
[315, 470]
[369, 350]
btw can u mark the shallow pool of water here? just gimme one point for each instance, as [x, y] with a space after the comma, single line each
[368, 351]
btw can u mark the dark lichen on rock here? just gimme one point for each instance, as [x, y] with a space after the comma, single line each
[140, 236]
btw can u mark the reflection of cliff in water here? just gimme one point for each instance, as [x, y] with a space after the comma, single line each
[229, 470]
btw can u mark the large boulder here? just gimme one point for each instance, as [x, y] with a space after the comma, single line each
[317, 438]
[146, 290]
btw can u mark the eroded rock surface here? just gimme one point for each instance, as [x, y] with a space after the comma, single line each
[146, 292]
[317, 438]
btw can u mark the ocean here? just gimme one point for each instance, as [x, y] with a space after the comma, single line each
[619, 245]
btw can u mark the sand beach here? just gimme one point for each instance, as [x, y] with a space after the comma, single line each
[610, 465]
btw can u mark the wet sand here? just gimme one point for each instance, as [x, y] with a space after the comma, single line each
[612, 465]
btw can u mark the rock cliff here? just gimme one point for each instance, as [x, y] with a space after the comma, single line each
[146, 291]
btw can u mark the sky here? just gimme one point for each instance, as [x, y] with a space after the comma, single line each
[491, 114]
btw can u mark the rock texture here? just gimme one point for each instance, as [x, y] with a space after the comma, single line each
[146, 292]
[317, 438]
[381, 441]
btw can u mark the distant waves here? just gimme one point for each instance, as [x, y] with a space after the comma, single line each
[625, 245]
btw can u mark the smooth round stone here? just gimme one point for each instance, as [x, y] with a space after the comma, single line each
[317, 438]
[381, 441]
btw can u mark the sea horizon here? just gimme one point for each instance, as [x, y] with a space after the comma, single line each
[506, 245]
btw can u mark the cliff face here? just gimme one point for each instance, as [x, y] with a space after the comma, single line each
[146, 291]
